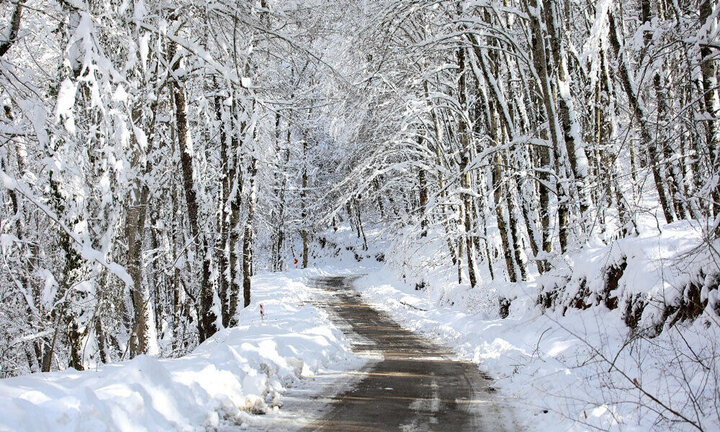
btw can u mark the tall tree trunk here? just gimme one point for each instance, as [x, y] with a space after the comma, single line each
[641, 117]
[207, 318]
[499, 191]
[708, 69]
[667, 168]
[439, 138]
[607, 152]
[423, 199]
[221, 241]
[540, 62]
[303, 207]
[572, 134]
[278, 262]
[358, 218]
[134, 233]
[235, 182]
[465, 136]
[498, 119]
[136, 216]
[513, 222]
[248, 236]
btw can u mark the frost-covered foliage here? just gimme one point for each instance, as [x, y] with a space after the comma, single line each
[148, 150]
[155, 154]
[525, 129]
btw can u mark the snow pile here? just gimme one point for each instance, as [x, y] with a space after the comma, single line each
[653, 277]
[577, 365]
[239, 370]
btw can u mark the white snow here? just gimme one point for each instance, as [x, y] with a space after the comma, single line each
[561, 369]
[242, 369]
[573, 370]
[65, 104]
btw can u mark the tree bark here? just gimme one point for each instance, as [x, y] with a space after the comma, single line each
[465, 135]
[641, 117]
[221, 241]
[498, 119]
[423, 201]
[708, 69]
[570, 124]
[303, 207]
[235, 180]
[14, 28]
[248, 236]
[279, 238]
[207, 318]
[540, 62]
[439, 137]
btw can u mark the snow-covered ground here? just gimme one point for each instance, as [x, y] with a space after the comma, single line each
[562, 369]
[568, 369]
[231, 375]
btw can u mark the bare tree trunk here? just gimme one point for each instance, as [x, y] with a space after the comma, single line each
[361, 229]
[423, 201]
[303, 207]
[235, 182]
[670, 173]
[14, 28]
[498, 118]
[278, 262]
[100, 336]
[571, 127]
[464, 133]
[134, 229]
[206, 320]
[708, 69]
[608, 154]
[248, 236]
[514, 225]
[177, 291]
[530, 222]
[544, 195]
[439, 137]
[641, 117]
[540, 62]
[499, 191]
[223, 221]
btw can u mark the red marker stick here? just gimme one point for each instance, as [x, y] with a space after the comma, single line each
[262, 313]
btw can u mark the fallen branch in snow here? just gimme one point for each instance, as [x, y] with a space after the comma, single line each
[412, 306]
[633, 381]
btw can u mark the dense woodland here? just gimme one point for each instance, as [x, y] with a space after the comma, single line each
[155, 154]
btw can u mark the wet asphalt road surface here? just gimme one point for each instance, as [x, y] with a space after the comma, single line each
[416, 386]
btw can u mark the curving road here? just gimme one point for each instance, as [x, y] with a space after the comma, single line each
[416, 386]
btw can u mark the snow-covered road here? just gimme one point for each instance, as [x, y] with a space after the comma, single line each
[410, 383]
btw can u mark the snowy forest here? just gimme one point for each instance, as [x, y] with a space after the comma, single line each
[157, 155]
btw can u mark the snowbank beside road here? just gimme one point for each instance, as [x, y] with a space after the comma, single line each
[570, 369]
[238, 370]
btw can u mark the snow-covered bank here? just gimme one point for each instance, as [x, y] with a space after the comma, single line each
[570, 368]
[239, 370]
